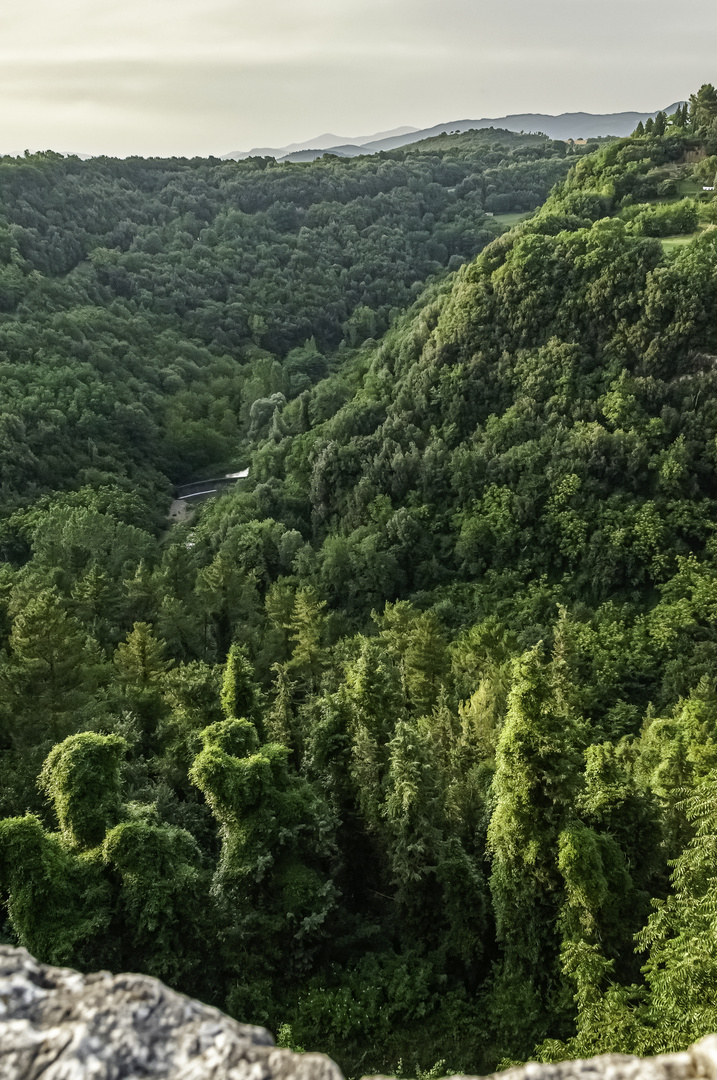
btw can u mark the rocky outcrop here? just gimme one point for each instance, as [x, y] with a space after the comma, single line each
[56, 1024]
[59, 1025]
[697, 1063]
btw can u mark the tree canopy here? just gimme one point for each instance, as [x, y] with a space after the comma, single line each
[413, 730]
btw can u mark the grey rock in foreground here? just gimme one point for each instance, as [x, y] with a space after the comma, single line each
[697, 1063]
[56, 1024]
[59, 1025]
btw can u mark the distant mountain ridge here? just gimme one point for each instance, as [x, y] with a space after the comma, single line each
[568, 125]
[323, 142]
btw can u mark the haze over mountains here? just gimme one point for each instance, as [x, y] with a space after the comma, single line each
[569, 125]
[326, 142]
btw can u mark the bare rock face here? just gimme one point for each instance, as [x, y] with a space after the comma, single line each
[56, 1024]
[60, 1025]
[697, 1063]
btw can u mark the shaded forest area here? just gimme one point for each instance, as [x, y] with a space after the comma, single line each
[408, 747]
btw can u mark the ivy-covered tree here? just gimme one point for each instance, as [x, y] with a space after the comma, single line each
[273, 885]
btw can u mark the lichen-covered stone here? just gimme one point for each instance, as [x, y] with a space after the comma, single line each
[60, 1025]
[56, 1024]
[697, 1063]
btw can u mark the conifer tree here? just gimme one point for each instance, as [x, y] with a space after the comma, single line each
[227, 595]
[425, 663]
[140, 658]
[681, 934]
[51, 662]
[178, 571]
[306, 630]
[537, 777]
[239, 691]
[703, 108]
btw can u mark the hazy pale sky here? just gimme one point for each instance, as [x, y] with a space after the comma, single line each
[210, 76]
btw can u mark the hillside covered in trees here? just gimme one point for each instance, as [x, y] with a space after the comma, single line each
[407, 746]
[146, 305]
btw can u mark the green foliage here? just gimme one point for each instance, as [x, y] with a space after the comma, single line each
[681, 971]
[81, 778]
[277, 840]
[703, 109]
[468, 590]
[58, 903]
[155, 313]
[534, 789]
[670, 220]
[285, 1039]
[114, 886]
[239, 691]
[140, 658]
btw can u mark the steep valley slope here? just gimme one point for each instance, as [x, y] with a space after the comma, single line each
[406, 747]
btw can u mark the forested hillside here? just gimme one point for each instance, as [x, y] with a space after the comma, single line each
[146, 305]
[408, 745]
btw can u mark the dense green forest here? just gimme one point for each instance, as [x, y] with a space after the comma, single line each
[147, 305]
[406, 746]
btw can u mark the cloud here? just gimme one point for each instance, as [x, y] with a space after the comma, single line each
[183, 76]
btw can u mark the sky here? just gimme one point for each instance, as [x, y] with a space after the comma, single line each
[163, 77]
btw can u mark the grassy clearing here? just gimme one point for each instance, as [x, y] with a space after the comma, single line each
[689, 187]
[509, 220]
[671, 243]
